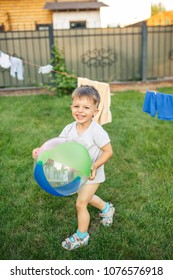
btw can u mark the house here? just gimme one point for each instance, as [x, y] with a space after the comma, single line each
[38, 14]
[75, 14]
[161, 19]
[23, 15]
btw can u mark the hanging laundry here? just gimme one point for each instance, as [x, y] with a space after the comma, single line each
[5, 60]
[165, 106]
[104, 115]
[17, 69]
[45, 69]
[160, 103]
[150, 105]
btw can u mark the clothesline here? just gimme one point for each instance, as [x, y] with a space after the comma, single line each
[47, 69]
[17, 69]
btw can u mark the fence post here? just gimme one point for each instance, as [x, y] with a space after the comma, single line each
[144, 51]
[51, 40]
[51, 45]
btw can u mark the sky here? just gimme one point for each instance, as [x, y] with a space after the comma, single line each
[168, 4]
[122, 12]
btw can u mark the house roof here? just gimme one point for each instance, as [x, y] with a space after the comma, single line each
[59, 6]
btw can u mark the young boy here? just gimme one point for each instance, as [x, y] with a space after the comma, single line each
[85, 101]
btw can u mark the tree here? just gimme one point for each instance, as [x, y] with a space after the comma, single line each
[155, 9]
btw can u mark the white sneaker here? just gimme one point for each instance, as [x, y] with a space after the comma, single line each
[107, 218]
[74, 242]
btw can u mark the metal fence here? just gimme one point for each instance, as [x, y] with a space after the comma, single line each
[104, 54]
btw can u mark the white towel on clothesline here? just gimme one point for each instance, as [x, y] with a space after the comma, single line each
[17, 69]
[45, 69]
[5, 60]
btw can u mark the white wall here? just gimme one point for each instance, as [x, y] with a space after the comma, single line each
[61, 20]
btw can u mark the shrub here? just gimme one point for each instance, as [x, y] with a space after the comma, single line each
[62, 82]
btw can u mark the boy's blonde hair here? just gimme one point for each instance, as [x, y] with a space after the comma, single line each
[87, 91]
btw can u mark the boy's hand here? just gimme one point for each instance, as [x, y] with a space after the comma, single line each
[93, 172]
[35, 152]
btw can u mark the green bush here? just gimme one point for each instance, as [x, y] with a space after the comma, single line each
[62, 82]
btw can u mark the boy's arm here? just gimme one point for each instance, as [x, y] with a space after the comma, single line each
[105, 156]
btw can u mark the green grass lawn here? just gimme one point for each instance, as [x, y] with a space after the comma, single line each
[139, 183]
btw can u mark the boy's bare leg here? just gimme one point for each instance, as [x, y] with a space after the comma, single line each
[86, 196]
[97, 202]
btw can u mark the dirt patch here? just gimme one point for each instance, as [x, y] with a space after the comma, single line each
[23, 91]
[140, 86]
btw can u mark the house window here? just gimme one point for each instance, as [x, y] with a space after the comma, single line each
[77, 24]
[42, 27]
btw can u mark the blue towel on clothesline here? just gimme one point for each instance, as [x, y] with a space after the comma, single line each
[165, 106]
[160, 103]
[149, 105]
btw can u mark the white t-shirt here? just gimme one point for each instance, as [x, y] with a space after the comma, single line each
[93, 138]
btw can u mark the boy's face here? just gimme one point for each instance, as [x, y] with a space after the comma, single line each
[83, 109]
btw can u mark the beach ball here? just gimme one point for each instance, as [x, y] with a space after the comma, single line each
[62, 167]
